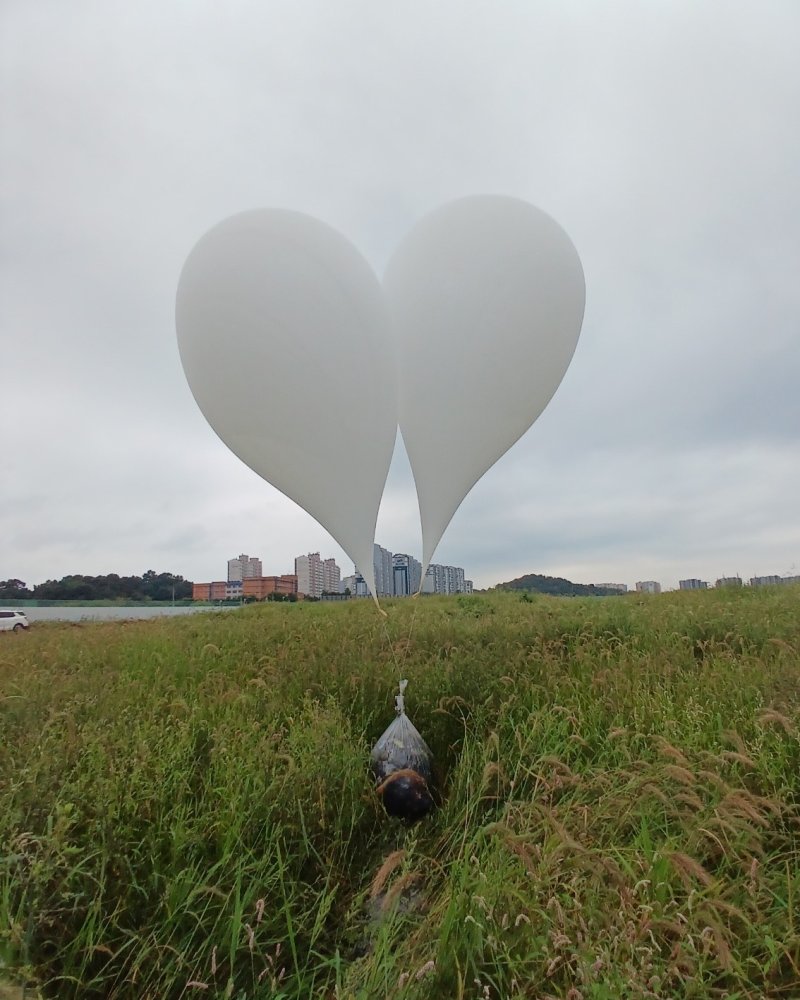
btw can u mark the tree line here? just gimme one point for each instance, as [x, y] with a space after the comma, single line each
[151, 586]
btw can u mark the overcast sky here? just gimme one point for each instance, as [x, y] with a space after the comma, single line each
[663, 136]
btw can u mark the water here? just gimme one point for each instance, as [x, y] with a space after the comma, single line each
[89, 612]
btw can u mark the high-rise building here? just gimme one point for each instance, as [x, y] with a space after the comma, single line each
[429, 583]
[648, 587]
[406, 574]
[692, 584]
[243, 568]
[621, 588]
[445, 580]
[308, 570]
[400, 575]
[331, 577]
[765, 581]
[455, 579]
[729, 581]
[382, 567]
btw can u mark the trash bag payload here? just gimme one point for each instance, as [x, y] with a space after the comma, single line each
[402, 764]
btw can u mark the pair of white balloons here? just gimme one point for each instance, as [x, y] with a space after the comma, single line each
[305, 364]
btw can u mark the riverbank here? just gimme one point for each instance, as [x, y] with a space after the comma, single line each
[34, 603]
[65, 612]
[73, 611]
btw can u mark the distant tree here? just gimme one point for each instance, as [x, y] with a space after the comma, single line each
[11, 590]
[77, 588]
[151, 586]
[164, 586]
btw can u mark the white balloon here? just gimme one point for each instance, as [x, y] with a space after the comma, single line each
[487, 296]
[282, 331]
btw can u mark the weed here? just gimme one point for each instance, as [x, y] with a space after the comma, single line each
[186, 807]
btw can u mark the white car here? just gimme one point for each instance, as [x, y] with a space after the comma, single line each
[15, 620]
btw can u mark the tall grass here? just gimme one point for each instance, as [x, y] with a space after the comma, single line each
[186, 810]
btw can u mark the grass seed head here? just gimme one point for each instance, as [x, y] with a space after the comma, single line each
[771, 717]
[689, 869]
[671, 752]
[391, 862]
[680, 774]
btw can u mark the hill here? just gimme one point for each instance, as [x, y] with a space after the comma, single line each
[557, 586]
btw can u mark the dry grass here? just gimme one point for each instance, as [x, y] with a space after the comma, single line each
[188, 808]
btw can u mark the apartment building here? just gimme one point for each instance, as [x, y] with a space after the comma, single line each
[331, 577]
[445, 580]
[315, 575]
[243, 567]
[382, 567]
[308, 570]
[406, 574]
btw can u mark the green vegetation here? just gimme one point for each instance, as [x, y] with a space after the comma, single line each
[557, 586]
[151, 586]
[185, 807]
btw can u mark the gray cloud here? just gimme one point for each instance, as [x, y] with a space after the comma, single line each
[663, 138]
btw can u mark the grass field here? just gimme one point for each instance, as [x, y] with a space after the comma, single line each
[186, 809]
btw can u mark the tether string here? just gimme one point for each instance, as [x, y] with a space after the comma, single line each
[399, 664]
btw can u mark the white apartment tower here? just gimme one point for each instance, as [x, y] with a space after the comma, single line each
[382, 566]
[445, 580]
[243, 568]
[331, 577]
[308, 570]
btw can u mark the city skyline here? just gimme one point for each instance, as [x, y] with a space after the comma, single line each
[316, 575]
[396, 575]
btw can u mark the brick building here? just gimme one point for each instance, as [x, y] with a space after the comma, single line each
[262, 586]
